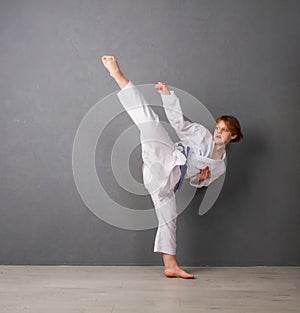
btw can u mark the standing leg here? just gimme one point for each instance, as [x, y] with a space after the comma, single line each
[156, 145]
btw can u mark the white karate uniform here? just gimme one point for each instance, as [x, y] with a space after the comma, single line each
[162, 158]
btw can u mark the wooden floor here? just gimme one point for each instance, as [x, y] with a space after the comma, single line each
[143, 289]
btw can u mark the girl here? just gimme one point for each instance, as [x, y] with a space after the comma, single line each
[199, 156]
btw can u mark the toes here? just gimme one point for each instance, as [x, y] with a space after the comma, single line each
[107, 58]
[104, 60]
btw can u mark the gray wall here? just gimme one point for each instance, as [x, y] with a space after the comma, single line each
[236, 57]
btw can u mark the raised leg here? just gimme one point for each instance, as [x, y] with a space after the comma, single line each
[157, 149]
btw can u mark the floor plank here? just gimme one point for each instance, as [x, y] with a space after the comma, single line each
[143, 289]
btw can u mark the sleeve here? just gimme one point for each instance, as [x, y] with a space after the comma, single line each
[193, 133]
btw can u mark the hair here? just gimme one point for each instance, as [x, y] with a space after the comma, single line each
[233, 125]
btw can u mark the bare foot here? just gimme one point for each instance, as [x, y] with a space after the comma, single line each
[111, 64]
[177, 272]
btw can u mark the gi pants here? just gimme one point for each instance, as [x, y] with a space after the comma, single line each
[161, 161]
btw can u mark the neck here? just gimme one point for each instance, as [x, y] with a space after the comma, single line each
[218, 151]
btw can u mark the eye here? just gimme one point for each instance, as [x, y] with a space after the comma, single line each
[219, 129]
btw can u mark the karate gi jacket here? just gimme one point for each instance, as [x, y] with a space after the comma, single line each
[200, 141]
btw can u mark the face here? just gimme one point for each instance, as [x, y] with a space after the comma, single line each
[222, 134]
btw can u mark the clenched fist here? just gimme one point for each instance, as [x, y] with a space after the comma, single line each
[162, 88]
[204, 173]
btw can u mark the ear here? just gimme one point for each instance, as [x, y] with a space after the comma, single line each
[233, 137]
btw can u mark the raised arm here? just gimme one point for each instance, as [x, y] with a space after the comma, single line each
[194, 133]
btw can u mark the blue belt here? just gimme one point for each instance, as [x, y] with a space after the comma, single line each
[183, 168]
